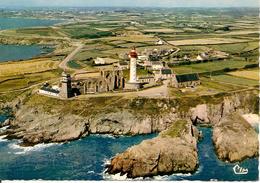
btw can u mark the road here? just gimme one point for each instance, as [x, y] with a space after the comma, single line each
[161, 91]
[63, 64]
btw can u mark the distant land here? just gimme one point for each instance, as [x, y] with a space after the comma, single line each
[120, 93]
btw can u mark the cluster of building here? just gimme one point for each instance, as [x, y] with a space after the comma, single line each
[114, 80]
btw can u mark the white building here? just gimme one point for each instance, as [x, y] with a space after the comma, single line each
[49, 91]
[103, 61]
[163, 74]
[100, 61]
[143, 57]
[159, 42]
[157, 65]
[203, 56]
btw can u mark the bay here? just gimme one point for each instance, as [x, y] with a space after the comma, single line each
[20, 52]
[17, 23]
[85, 159]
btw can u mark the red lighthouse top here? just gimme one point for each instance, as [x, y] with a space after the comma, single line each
[133, 53]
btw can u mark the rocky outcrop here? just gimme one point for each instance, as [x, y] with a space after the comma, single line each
[174, 150]
[214, 110]
[42, 128]
[42, 119]
[235, 139]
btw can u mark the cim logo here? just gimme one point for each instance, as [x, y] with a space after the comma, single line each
[239, 170]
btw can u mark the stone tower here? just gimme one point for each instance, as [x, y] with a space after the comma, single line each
[66, 89]
[133, 57]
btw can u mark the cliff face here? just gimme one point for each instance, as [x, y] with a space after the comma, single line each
[235, 139]
[174, 150]
[42, 119]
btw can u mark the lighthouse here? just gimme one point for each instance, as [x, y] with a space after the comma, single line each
[133, 57]
[132, 83]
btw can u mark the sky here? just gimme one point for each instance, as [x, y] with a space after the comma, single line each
[130, 3]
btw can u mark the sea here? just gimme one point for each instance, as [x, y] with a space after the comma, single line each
[85, 159]
[22, 52]
[16, 23]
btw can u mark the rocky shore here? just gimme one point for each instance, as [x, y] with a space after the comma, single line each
[174, 150]
[39, 119]
[235, 139]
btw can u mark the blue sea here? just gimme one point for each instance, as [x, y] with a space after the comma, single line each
[16, 23]
[85, 159]
[20, 52]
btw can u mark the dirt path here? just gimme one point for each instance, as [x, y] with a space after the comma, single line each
[161, 91]
[63, 64]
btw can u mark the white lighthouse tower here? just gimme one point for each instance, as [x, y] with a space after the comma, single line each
[133, 57]
[133, 84]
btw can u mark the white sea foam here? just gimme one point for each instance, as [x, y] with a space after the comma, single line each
[90, 172]
[106, 162]
[4, 128]
[24, 150]
[2, 138]
[105, 136]
[161, 178]
[169, 177]
[117, 177]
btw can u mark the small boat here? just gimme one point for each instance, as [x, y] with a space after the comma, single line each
[239, 170]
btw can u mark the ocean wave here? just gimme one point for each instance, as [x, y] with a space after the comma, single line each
[90, 172]
[116, 177]
[3, 128]
[2, 138]
[106, 162]
[170, 177]
[24, 150]
[161, 178]
[105, 136]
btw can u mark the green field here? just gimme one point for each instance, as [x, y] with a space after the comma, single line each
[39, 31]
[236, 47]
[209, 66]
[112, 34]
[85, 32]
[27, 80]
[74, 65]
[235, 80]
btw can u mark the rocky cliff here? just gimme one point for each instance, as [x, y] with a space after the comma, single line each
[174, 150]
[235, 139]
[42, 119]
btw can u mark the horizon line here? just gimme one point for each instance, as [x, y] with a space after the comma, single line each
[128, 7]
